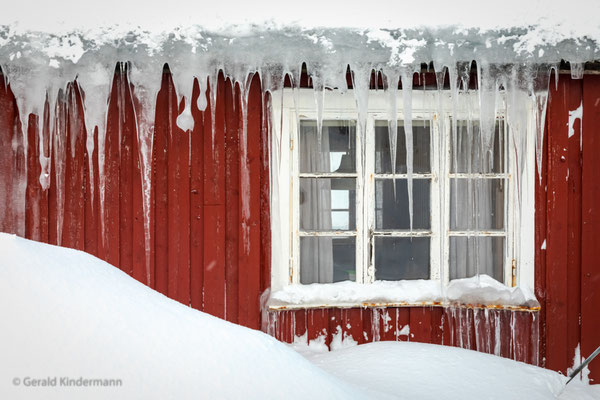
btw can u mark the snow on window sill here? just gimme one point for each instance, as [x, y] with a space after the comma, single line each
[482, 292]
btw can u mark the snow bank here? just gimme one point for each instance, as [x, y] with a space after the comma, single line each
[483, 290]
[426, 371]
[67, 314]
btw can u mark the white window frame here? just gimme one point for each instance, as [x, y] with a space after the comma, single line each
[289, 106]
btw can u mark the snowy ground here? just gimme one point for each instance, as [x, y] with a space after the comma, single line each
[66, 314]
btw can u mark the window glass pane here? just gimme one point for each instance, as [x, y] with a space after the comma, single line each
[327, 203]
[471, 254]
[469, 158]
[337, 152]
[401, 258]
[421, 148]
[327, 259]
[391, 212]
[476, 204]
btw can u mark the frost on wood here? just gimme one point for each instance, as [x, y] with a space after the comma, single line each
[38, 66]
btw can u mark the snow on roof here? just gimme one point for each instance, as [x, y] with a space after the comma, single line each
[577, 19]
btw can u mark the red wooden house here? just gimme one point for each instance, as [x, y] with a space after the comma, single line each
[227, 216]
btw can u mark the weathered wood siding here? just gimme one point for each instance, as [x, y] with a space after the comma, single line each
[209, 218]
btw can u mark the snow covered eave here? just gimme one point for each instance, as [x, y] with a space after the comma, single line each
[481, 292]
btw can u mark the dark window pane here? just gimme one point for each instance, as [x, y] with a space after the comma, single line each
[421, 148]
[337, 151]
[399, 258]
[327, 203]
[470, 255]
[476, 204]
[391, 212]
[327, 259]
[469, 159]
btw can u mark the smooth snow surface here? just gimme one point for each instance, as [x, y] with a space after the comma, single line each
[68, 314]
[482, 290]
[425, 371]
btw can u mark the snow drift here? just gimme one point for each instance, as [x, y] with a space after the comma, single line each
[68, 314]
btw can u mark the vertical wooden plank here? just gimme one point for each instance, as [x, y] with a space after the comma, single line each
[522, 333]
[506, 334]
[33, 192]
[44, 149]
[387, 323]
[249, 236]
[437, 322]
[265, 197]
[541, 201]
[178, 201]
[560, 103]
[111, 226]
[232, 201]
[590, 251]
[367, 328]
[403, 322]
[214, 205]
[317, 325]
[174, 206]
[335, 324]
[197, 203]
[160, 183]
[13, 185]
[126, 132]
[574, 224]
[420, 324]
[92, 203]
[58, 174]
[53, 187]
[142, 248]
[481, 337]
[183, 192]
[300, 323]
[7, 121]
[354, 324]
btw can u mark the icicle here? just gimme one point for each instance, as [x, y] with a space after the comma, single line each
[497, 342]
[577, 69]
[147, 81]
[407, 81]
[185, 120]
[488, 87]
[540, 98]
[392, 79]
[361, 77]
[44, 145]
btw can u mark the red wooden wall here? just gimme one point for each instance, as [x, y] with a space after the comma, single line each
[204, 251]
[207, 252]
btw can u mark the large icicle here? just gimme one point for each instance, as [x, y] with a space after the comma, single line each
[392, 79]
[407, 83]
